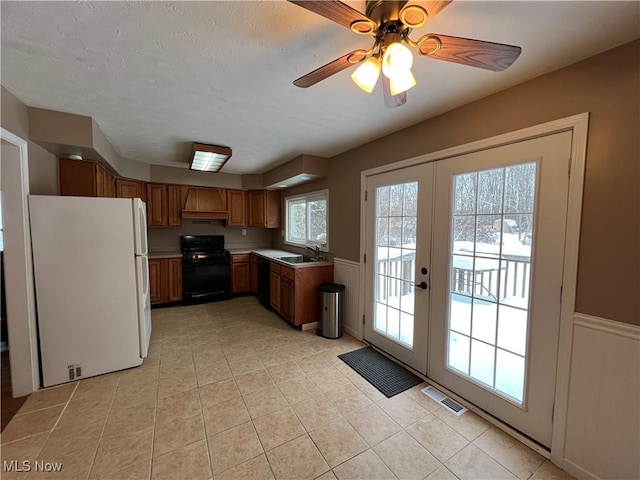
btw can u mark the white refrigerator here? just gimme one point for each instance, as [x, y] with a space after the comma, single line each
[92, 285]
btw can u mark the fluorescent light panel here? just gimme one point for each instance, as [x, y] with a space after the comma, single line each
[209, 158]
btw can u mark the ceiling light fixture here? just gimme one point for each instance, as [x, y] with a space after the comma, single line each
[395, 61]
[209, 158]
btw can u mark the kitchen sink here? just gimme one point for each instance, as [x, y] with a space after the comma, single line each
[297, 259]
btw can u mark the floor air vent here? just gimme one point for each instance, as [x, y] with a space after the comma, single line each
[445, 401]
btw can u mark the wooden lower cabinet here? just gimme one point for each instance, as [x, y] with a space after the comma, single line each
[165, 280]
[240, 274]
[294, 291]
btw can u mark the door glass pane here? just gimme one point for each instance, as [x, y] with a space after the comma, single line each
[490, 276]
[396, 210]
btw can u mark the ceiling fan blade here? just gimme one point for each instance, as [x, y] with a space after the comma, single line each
[433, 7]
[475, 53]
[333, 10]
[391, 101]
[330, 68]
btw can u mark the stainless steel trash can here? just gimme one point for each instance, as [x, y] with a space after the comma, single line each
[331, 295]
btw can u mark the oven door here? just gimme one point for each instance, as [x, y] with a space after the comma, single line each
[205, 280]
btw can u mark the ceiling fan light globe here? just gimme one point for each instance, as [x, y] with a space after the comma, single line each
[401, 82]
[396, 59]
[366, 75]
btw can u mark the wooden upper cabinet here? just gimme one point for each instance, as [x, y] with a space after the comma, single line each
[176, 195]
[84, 179]
[264, 208]
[204, 202]
[157, 206]
[237, 204]
[126, 188]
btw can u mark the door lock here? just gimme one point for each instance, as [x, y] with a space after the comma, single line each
[422, 285]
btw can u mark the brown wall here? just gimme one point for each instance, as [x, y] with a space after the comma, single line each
[608, 87]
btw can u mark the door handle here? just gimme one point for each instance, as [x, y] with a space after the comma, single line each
[422, 285]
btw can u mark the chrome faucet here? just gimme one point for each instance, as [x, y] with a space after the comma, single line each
[316, 252]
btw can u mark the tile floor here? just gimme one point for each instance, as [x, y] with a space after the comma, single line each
[230, 391]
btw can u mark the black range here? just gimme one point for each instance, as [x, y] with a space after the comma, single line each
[206, 269]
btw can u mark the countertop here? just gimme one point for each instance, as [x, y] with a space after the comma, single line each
[268, 253]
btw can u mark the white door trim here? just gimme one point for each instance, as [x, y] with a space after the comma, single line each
[23, 338]
[578, 125]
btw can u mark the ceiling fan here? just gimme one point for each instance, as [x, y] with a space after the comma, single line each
[390, 23]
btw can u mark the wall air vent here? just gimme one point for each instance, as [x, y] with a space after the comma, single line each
[443, 400]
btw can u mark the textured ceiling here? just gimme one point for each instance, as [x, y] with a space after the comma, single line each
[157, 76]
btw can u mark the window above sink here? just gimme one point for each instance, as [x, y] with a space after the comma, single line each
[306, 220]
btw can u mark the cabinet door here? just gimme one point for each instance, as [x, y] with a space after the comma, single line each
[174, 279]
[155, 281]
[130, 189]
[240, 277]
[109, 185]
[77, 178]
[274, 285]
[157, 211]
[257, 208]
[253, 269]
[287, 305]
[273, 209]
[237, 204]
[174, 205]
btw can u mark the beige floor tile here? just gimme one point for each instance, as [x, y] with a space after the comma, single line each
[347, 398]
[246, 364]
[510, 453]
[208, 356]
[315, 412]
[212, 394]
[237, 350]
[253, 381]
[548, 471]
[369, 390]
[48, 397]
[442, 473]
[183, 404]
[298, 389]
[170, 369]
[146, 372]
[265, 401]
[234, 447]
[327, 476]
[178, 433]
[122, 451]
[283, 372]
[19, 451]
[133, 418]
[436, 436]
[372, 424]
[94, 387]
[366, 466]
[338, 442]
[469, 425]
[136, 471]
[298, 459]
[402, 409]
[225, 415]
[329, 378]
[473, 464]
[311, 363]
[31, 423]
[176, 384]
[406, 458]
[132, 393]
[73, 436]
[277, 428]
[189, 462]
[257, 468]
[213, 373]
[85, 411]
[71, 465]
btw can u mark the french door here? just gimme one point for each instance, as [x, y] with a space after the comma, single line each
[490, 235]
[399, 205]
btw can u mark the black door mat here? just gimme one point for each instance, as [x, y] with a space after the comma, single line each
[384, 374]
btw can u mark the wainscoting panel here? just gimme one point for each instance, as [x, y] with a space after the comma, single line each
[602, 431]
[347, 273]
